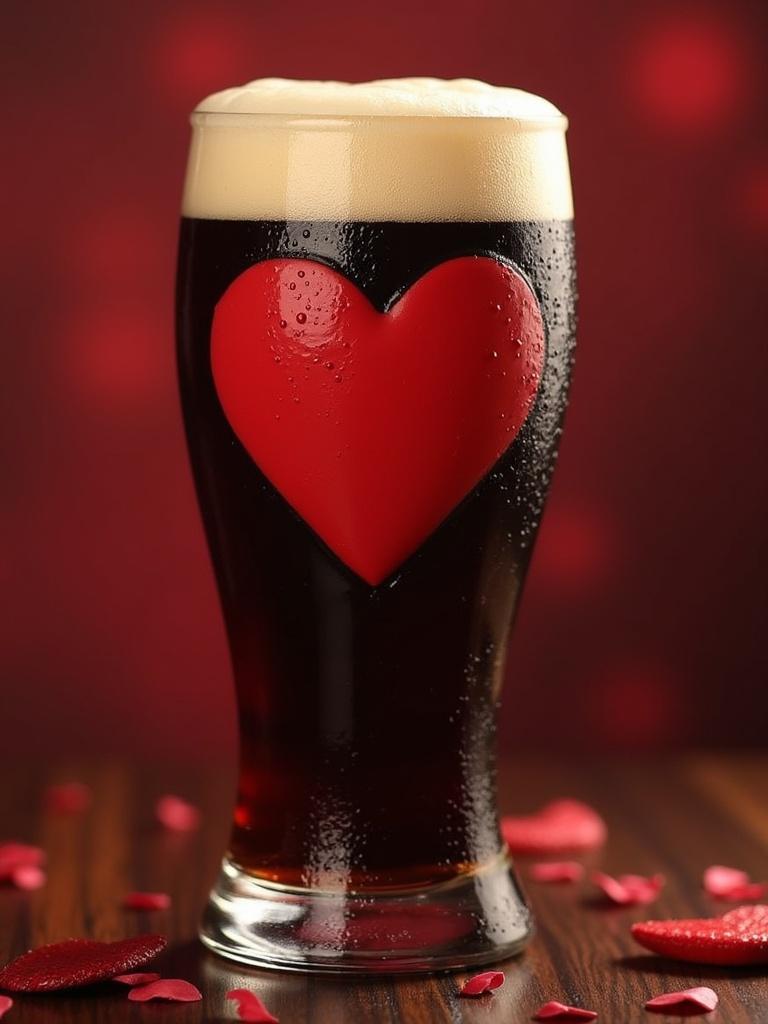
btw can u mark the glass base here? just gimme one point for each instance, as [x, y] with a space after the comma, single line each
[474, 919]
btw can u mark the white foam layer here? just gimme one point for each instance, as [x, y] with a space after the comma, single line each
[412, 149]
[385, 97]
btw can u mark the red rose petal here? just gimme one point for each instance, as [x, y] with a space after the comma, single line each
[719, 880]
[750, 891]
[480, 983]
[68, 797]
[77, 962]
[629, 890]
[176, 814]
[557, 871]
[250, 1007]
[174, 989]
[731, 884]
[5, 1004]
[28, 877]
[147, 901]
[739, 937]
[18, 855]
[559, 1011]
[138, 978]
[703, 999]
[559, 827]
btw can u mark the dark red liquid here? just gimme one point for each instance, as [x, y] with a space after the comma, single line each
[367, 714]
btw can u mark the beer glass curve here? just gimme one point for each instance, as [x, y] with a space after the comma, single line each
[375, 310]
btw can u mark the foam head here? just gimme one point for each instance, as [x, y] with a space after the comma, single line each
[416, 149]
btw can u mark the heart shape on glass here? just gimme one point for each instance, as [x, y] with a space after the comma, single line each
[375, 425]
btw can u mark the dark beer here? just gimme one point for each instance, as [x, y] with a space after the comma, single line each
[367, 703]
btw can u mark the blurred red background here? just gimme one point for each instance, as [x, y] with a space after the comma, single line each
[643, 621]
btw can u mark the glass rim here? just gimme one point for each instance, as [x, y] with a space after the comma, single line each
[221, 118]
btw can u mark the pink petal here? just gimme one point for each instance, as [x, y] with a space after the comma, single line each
[559, 1011]
[28, 877]
[146, 901]
[557, 871]
[5, 1004]
[629, 890]
[250, 1007]
[703, 999]
[559, 827]
[68, 797]
[139, 978]
[719, 880]
[174, 989]
[480, 983]
[176, 814]
[18, 855]
[750, 891]
[731, 884]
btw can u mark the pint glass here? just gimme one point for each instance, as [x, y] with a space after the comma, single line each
[375, 330]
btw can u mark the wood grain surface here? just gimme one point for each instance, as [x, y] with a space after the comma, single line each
[671, 816]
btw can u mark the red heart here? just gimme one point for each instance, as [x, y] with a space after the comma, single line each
[374, 426]
[739, 937]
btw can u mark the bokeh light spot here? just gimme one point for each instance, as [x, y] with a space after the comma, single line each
[689, 72]
[576, 548]
[114, 356]
[637, 704]
[199, 54]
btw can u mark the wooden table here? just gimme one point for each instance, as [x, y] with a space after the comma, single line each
[675, 817]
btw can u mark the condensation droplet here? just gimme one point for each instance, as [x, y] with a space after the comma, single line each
[301, 318]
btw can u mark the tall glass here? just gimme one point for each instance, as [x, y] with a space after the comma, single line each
[375, 330]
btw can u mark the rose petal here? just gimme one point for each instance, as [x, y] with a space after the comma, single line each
[719, 879]
[146, 901]
[138, 978]
[731, 884]
[250, 1007]
[174, 989]
[559, 827]
[702, 998]
[68, 797]
[28, 877]
[559, 1011]
[18, 855]
[480, 983]
[629, 890]
[557, 871]
[176, 814]
[750, 891]
[77, 962]
[5, 1004]
[739, 937]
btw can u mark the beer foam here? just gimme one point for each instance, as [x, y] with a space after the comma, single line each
[412, 149]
